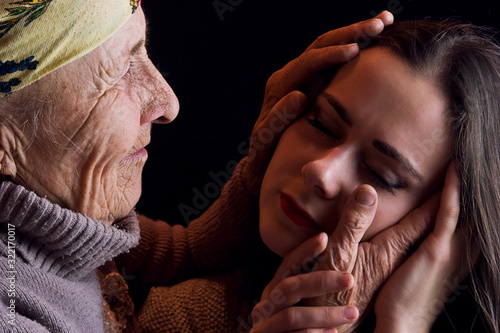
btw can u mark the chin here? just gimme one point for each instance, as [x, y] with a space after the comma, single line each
[277, 245]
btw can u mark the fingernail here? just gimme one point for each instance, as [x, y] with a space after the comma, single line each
[350, 313]
[365, 197]
[344, 280]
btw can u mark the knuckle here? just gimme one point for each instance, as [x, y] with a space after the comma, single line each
[357, 220]
[290, 318]
[273, 78]
[289, 285]
[323, 281]
[321, 39]
[438, 252]
[452, 212]
[401, 244]
[342, 258]
[330, 315]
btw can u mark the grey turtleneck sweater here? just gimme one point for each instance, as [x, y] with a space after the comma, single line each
[48, 258]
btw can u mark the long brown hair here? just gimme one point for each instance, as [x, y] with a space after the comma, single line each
[465, 61]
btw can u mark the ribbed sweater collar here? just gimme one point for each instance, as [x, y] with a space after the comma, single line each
[60, 241]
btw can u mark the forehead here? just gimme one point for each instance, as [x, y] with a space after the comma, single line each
[388, 101]
[107, 63]
[133, 31]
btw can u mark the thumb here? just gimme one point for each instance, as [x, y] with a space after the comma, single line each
[356, 217]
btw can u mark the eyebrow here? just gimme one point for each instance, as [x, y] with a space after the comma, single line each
[135, 49]
[393, 153]
[383, 147]
[337, 106]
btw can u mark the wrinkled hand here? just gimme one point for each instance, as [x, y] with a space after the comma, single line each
[372, 262]
[278, 111]
[276, 311]
[414, 295]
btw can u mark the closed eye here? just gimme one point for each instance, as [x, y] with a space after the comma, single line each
[383, 183]
[321, 128]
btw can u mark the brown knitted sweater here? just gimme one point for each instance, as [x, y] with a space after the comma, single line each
[189, 279]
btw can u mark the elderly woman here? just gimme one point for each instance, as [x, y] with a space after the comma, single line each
[76, 111]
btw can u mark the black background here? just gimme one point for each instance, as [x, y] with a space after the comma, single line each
[217, 62]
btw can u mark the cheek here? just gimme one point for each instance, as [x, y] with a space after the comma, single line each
[284, 161]
[295, 148]
[389, 212]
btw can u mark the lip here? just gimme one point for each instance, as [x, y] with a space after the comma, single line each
[141, 153]
[296, 214]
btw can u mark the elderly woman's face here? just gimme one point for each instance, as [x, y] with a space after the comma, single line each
[377, 122]
[102, 107]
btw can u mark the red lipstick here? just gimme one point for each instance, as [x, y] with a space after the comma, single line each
[295, 213]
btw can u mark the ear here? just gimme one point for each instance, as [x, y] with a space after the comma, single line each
[9, 143]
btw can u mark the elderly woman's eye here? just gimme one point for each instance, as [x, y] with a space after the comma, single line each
[130, 65]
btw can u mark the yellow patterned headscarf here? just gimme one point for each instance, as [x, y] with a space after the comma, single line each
[39, 36]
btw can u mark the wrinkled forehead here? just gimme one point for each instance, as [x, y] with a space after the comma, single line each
[38, 37]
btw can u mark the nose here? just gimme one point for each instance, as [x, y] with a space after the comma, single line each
[329, 173]
[161, 106]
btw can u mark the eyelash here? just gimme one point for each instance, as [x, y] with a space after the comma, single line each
[382, 182]
[322, 129]
[130, 65]
[374, 176]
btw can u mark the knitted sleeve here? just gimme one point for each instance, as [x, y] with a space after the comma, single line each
[211, 304]
[218, 239]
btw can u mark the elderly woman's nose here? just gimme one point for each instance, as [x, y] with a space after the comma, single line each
[162, 105]
[328, 173]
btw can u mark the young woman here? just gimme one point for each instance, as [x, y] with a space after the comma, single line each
[423, 94]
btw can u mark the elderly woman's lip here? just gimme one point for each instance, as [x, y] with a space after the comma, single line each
[141, 153]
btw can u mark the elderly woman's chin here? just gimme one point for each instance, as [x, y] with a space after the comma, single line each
[113, 201]
[121, 197]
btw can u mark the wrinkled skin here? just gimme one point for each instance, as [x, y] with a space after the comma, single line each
[89, 155]
[426, 278]
[370, 262]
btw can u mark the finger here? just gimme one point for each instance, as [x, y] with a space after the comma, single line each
[293, 289]
[356, 217]
[449, 209]
[386, 17]
[299, 318]
[297, 260]
[354, 32]
[299, 70]
[266, 134]
[412, 228]
[283, 113]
